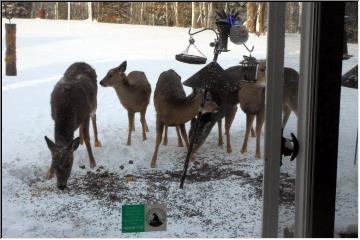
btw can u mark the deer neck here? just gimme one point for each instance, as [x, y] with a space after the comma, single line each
[190, 107]
[121, 90]
[63, 134]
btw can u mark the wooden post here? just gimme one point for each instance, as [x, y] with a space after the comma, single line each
[10, 57]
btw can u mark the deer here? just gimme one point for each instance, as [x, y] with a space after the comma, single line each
[290, 94]
[73, 103]
[133, 91]
[252, 102]
[251, 97]
[173, 108]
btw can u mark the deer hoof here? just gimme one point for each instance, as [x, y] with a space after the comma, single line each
[229, 150]
[92, 164]
[128, 143]
[243, 151]
[153, 165]
[49, 175]
[258, 156]
[98, 143]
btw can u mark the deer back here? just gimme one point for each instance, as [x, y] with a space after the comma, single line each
[169, 89]
[73, 98]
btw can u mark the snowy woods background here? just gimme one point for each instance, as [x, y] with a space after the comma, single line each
[181, 14]
[184, 14]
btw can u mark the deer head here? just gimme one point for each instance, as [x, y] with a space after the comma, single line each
[62, 159]
[115, 76]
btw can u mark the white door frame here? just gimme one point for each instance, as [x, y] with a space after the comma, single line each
[305, 115]
[273, 113]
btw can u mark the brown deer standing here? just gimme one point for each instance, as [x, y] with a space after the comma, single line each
[133, 91]
[252, 102]
[172, 107]
[73, 102]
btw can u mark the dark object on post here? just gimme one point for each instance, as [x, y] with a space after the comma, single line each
[10, 55]
[350, 79]
[289, 147]
[40, 13]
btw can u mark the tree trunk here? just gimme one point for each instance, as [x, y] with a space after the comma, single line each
[251, 16]
[56, 10]
[142, 13]
[261, 17]
[90, 15]
[300, 13]
[209, 21]
[10, 58]
[205, 14]
[69, 12]
[193, 15]
[131, 13]
[153, 13]
[176, 10]
[166, 14]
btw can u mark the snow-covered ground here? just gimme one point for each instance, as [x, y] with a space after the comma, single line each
[222, 196]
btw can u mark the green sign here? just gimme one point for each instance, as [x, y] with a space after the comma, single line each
[144, 218]
[133, 218]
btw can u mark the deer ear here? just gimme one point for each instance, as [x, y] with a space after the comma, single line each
[122, 66]
[75, 144]
[49, 143]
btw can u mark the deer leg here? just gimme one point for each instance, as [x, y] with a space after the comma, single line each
[142, 120]
[165, 141]
[220, 139]
[253, 132]
[259, 123]
[286, 112]
[50, 173]
[229, 118]
[81, 133]
[159, 132]
[86, 124]
[146, 126]
[93, 120]
[131, 125]
[249, 121]
[184, 134]
[180, 142]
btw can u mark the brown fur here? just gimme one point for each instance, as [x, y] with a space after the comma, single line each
[73, 102]
[290, 96]
[133, 91]
[172, 107]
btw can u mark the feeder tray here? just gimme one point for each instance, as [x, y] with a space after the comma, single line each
[185, 57]
[192, 59]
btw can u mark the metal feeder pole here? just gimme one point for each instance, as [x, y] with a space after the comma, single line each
[191, 144]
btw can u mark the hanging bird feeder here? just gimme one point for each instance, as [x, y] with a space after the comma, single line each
[213, 77]
[185, 57]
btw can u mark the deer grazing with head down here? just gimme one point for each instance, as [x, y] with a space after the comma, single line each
[173, 108]
[73, 103]
[133, 91]
[251, 97]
